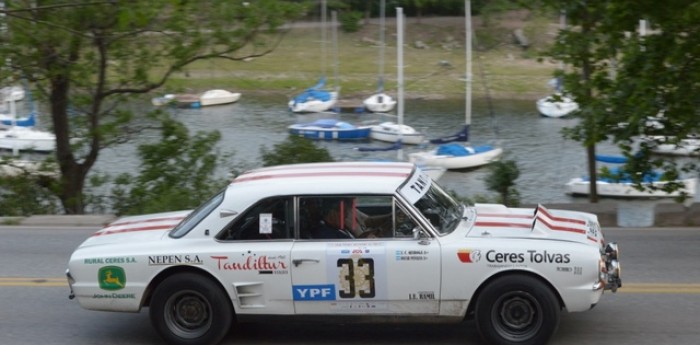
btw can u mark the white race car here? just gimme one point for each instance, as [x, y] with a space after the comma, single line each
[352, 241]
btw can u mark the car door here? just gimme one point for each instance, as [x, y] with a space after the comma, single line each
[393, 274]
[255, 258]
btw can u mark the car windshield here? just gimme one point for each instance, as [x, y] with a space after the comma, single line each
[196, 216]
[440, 209]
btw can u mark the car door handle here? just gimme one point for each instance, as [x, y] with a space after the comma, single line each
[298, 262]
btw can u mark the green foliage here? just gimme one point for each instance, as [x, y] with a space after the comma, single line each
[90, 59]
[178, 172]
[23, 195]
[350, 21]
[502, 181]
[620, 76]
[295, 150]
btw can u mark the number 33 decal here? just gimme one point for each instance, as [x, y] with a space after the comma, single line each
[356, 280]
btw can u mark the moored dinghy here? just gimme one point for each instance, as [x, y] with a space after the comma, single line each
[216, 97]
[330, 129]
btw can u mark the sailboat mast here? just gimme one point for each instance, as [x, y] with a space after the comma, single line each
[323, 38]
[399, 64]
[382, 28]
[334, 19]
[468, 44]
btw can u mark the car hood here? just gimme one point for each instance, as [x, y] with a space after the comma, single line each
[137, 228]
[541, 223]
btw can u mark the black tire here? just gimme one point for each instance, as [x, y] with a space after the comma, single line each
[190, 309]
[517, 309]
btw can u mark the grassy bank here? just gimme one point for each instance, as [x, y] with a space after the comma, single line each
[438, 71]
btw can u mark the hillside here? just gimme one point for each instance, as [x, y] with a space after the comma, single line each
[433, 54]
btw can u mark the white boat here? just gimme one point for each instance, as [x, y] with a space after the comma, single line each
[627, 189]
[27, 139]
[390, 131]
[671, 146]
[620, 184]
[381, 102]
[456, 156]
[216, 97]
[18, 138]
[314, 99]
[317, 98]
[556, 105]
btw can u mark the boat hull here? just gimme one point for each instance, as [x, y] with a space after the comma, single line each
[216, 97]
[432, 158]
[580, 186]
[314, 105]
[27, 139]
[550, 107]
[685, 147]
[392, 132]
[379, 103]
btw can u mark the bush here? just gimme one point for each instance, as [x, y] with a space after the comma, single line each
[350, 21]
[295, 150]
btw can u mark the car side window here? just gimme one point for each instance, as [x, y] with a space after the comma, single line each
[269, 219]
[353, 217]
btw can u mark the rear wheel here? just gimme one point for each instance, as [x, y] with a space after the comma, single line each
[517, 310]
[190, 309]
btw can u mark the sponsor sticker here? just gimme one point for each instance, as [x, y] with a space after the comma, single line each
[325, 292]
[111, 278]
[468, 255]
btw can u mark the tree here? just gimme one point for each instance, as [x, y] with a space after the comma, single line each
[502, 181]
[178, 172]
[294, 150]
[621, 78]
[88, 60]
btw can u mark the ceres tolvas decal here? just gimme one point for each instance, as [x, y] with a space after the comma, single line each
[533, 256]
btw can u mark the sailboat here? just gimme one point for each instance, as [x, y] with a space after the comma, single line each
[455, 156]
[317, 98]
[557, 104]
[380, 102]
[391, 131]
[435, 172]
[17, 138]
[652, 181]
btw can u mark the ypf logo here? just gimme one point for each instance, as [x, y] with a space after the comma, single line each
[468, 255]
[111, 278]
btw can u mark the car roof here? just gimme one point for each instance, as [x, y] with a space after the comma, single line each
[325, 178]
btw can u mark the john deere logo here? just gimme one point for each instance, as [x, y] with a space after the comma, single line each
[111, 278]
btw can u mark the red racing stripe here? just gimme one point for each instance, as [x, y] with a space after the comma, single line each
[145, 228]
[319, 174]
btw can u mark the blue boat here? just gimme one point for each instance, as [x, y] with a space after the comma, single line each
[330, 129]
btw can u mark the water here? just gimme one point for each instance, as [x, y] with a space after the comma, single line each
[545, 159]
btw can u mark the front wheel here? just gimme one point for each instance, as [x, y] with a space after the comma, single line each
[188, 309]
[517, 310]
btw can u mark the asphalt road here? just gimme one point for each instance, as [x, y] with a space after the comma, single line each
[658, 303]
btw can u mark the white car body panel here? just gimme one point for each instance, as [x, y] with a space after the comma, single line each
[436, 274]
